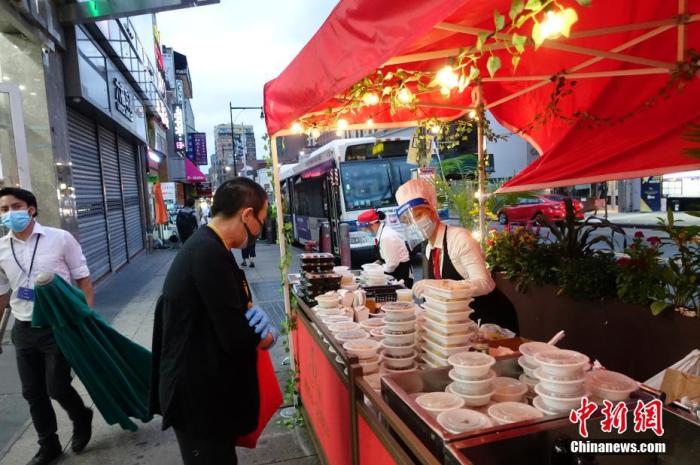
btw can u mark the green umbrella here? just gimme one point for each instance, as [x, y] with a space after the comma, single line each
[115, 371]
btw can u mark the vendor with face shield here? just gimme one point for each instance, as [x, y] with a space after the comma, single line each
[451, 253]
[390, 245]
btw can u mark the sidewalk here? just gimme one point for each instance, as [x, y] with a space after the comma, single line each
[128, 300]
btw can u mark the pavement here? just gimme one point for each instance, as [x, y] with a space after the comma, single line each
[127, 300]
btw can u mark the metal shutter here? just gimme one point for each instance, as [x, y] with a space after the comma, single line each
[131, 194]
[87, 181]
[113, 192]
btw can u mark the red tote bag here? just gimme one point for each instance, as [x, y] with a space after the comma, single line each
[270, 399]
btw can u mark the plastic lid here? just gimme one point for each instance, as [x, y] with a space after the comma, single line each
[343, 326]
[316, 256]
[561, 379]
[513, 412]
[471, 359]
[544, 392]
[527, 380]
[505, 386]
[351, 335]
[462, 420]
[610, 381]
[373, 323]
[454, 376]
[399, 307]
[377, 332]
[562, 358]
[361, 344]
[532, 348]
[332, 319]
[439, 401]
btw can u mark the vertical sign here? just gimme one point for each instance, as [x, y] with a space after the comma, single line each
[179, 128]
[197, 148]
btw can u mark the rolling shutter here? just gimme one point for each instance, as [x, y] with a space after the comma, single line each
[113, 190]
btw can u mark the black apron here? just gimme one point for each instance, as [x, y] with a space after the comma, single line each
[490, 308]
[403, 271]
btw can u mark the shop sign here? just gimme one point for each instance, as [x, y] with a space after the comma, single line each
[197, 148]
[179, 128]
[123, 100]
[651, 192]
[179, 91]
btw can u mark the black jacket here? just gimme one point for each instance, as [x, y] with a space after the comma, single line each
[204, 352]
[186, 222]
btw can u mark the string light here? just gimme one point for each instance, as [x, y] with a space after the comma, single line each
[435, 129]
[473, 114]
[370, 99]
[315, 132]
[297, 127]
[342, 124]
[405, 96]
[476, 235]
[447, 78]
[370, 122]
[445, 91]
[554, 25]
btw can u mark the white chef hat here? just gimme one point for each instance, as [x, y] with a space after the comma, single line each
[416, 189]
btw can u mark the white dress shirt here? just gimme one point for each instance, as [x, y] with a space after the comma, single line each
[57, 252]
[392, 248]
[466, 255]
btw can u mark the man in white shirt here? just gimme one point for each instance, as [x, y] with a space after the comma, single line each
[27, 250]
[390, 246]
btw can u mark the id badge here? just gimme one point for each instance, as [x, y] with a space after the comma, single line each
[25, 293]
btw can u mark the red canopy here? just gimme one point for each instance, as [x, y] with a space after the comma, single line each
[620, 54]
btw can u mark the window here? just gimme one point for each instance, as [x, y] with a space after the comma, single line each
[308, 198]
[366, 185]
[400, 173]
[359, 152]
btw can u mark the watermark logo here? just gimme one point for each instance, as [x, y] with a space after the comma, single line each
[647, 417]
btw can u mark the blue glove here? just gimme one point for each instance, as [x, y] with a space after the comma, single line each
[257, 318]
[274, 333]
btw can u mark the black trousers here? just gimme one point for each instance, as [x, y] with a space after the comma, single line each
[249, 252]
[45, 375]
[209, 451]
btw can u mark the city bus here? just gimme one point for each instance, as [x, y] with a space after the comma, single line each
[337, 182]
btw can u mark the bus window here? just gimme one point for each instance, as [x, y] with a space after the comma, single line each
[307, 198]
[359, 152]
[391, 148]
[400, 172]
[366, 185]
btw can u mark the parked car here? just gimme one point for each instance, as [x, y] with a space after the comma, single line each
[547, 206]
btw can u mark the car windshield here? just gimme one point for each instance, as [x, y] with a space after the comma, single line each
[554, 197]
[366, 184]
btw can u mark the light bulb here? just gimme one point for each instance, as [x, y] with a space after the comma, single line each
[476, 235]
[447, 78]
[370, 99]
[472, 114]
[296, 127]
[435, 129]
[315, 133]
[342, 124]
[555, 24]
[405, 96]
[445, 91]
[370, 122]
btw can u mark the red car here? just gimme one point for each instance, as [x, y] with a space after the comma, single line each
[550, 206]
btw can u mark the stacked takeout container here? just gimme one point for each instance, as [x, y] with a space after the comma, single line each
[446, 326]
[399, 337]
[472, 377]
[317, 275]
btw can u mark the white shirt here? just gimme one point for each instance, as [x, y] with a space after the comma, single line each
[466, 255]
[57, 252]
[392, 248]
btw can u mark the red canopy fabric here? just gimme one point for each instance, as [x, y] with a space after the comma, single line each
[642, 134]
[192, 173]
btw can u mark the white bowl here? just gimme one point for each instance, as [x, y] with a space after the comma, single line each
[362, 348]
[403, 326]
[399, 317]
[558, 402]
[328, 301]
[610, 385]
[397, 351]
[530, 349]
[528, 367]
[333, 319]
[370, 366]
[539, 404]
[377, 333]
[508, 389]
[399, 307]
[324, 312]
[343, 326]
[478, 400]
[560, 384]
[472, 364]
[373, 268]
[447, 318]
[513, 412]
[529, 382]
[462, 420]
[443, 351]
[438, 402]
[561, 362]
[404, 295]
[394, 362]
[353, 335]
[404, 338]
[372, 323]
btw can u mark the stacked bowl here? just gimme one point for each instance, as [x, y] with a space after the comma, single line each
[366, 350]
[373, 275]
[561, 380]
[399, 335]
[446, 326]
[472, 377]
[528, 363]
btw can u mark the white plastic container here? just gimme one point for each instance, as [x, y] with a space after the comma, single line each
[443, 351]
[372, 323]
[508, 390]
[328, 300]
[477, 400]
[539, 404]
[330, 320]
[457, 340]
[452, 329]
[377, 333]
[528, 367]
[438, 402]
[394, 362]
[343, 326]
[446, 306]
[447, 318]
[561, 362]
[433, 360]
[404, 295]
[362, 348]
[571, 384]
[403, 338]
[403, 326]
[530, 349]
[447, 290]
[397, 351]
[559, 402]
[353, 335]
[610, 385]
[513, 412]
[399, 307]
[389, 371]
[529, 382]
[324, 312]
[472, 364]
[463, 420]
[373, 268]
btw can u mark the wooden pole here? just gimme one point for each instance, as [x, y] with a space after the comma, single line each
[682, 11]
[282, 241]
[481, 114]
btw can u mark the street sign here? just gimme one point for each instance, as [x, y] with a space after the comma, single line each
[197, 148]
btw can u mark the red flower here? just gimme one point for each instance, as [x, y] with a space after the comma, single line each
[654, 240]
[639, 235]
[624, 261]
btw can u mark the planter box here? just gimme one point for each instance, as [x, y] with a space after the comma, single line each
[625, 338]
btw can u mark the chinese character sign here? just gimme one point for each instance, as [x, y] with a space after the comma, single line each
[647, 416]
[197, 148]
[179, 128]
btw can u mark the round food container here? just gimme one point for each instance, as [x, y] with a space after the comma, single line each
[370, 366]
[462, 420]
[472, 364]
[399, 311]
[390, 371]
[476, 400]
[527, 366]
[330, 320]
[529, 382]
[399, 337]
[559, 402]
[438, 402]
[610, 385]
[513, 412]
[372, 323]
[362, 348]
[377, 333]
[569, 384]
[347, 336]
[324, 312]
[530, 349]
[394, 362]
[539, 404]
[328, 301]
[343, 326]
[472, 387]
[404, 295]
[508, 389]
[403, 326]
[561, 362]
[397, 350]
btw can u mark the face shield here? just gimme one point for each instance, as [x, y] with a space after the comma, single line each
[417, 217]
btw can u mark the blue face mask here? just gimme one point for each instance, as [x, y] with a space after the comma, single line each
[16, 220]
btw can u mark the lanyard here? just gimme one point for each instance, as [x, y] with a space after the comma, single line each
[31, 265]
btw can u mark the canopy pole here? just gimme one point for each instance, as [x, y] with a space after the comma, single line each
[481, 114]
[682, 11]
[282, 241]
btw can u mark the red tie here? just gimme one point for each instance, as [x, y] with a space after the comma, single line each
[435, 259]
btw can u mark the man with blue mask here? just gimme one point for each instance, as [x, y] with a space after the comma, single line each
[27, 250]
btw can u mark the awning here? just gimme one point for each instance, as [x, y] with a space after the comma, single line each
[192, 173]
[625, 103]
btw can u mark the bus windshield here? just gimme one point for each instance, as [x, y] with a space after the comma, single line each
[366, 184]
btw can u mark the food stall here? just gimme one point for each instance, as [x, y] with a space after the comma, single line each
[554, 71]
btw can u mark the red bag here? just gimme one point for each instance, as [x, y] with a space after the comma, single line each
[270, 399]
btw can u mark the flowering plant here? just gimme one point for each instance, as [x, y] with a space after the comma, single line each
[640, 271]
